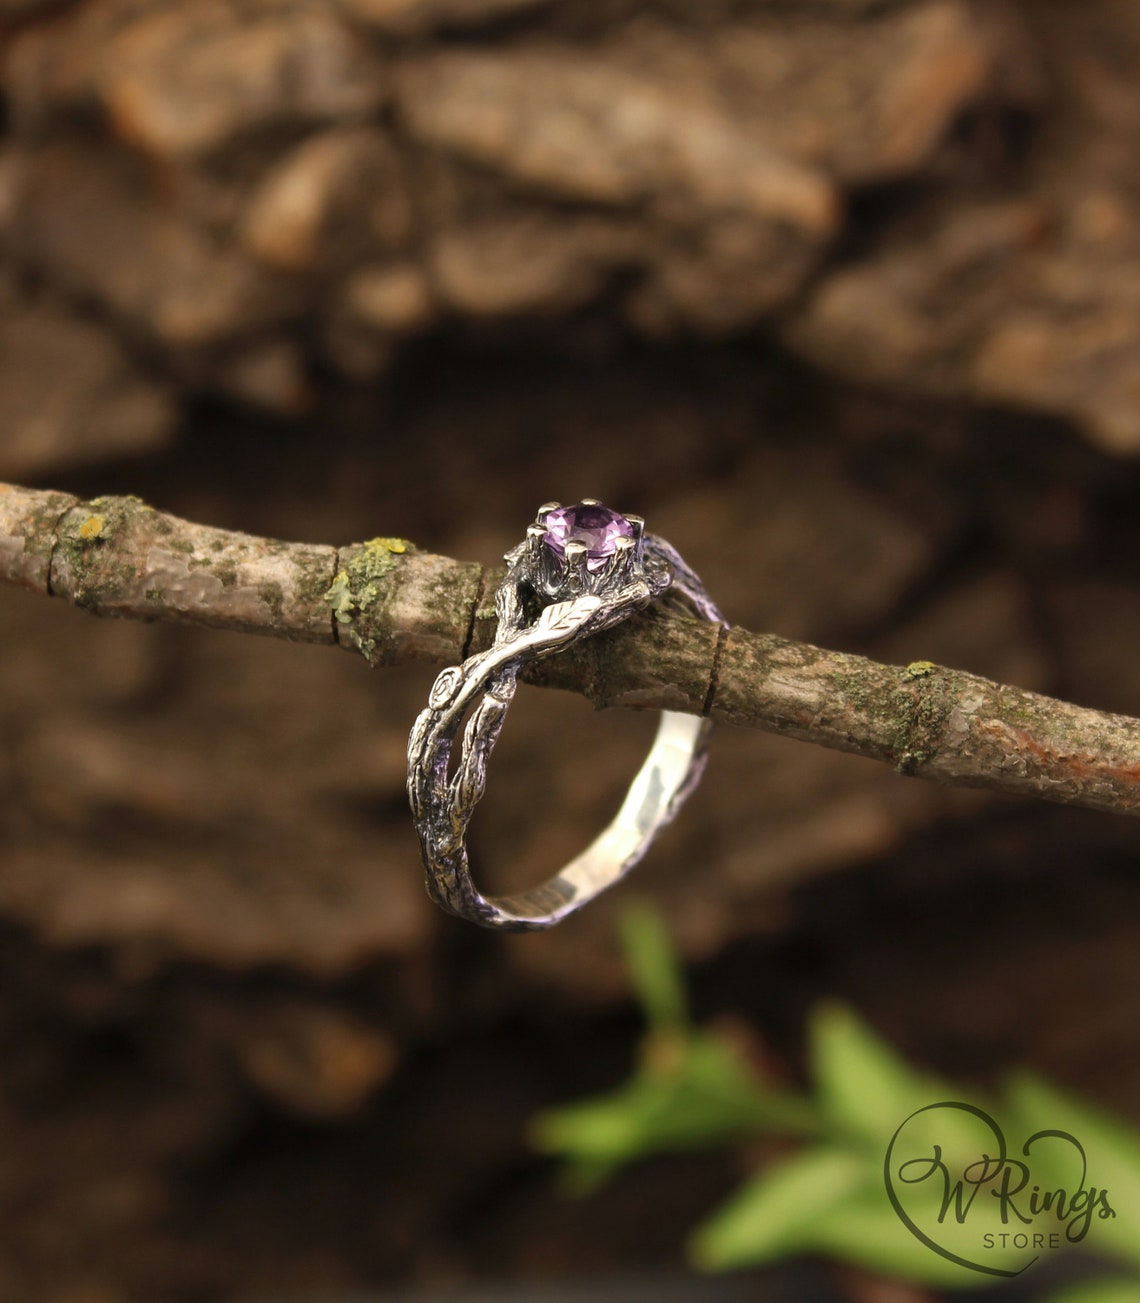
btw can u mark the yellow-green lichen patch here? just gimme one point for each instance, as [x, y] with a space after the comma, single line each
[340, 599]
[84, 566]
[395, 545]
[370, 563]
[358, 586]
[92, 527]
[920, 669]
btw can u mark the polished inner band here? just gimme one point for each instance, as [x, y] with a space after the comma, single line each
[443, 797]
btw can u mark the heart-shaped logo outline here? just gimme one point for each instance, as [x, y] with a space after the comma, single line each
[991, 1166]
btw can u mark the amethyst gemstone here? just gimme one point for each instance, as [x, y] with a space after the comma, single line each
[597, 527]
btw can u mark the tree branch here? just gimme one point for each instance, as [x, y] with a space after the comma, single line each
[395, 603]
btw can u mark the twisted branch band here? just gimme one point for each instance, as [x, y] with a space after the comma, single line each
[580, 570]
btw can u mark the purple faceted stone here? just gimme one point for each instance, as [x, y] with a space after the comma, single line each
[598, 527]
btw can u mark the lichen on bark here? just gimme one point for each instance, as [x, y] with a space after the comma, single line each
[359, 585]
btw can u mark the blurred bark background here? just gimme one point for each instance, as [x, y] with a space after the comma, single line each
[843, 296]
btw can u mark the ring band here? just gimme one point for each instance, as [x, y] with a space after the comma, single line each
[580, 570]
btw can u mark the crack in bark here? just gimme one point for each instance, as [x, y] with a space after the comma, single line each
[714, 668]
[126, 559]
[54, 545]
[334, 622]
[480, 591]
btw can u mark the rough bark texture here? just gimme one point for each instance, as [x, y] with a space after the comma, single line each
[840, 294]
[236, 193]
[393, 603]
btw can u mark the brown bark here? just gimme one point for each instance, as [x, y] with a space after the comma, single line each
[210, 892]
[385, 598]
[250, 190]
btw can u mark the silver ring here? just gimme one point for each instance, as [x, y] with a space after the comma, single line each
[580, 570]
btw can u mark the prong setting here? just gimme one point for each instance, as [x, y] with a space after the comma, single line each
[584, 549]
[577, 576]
[626, 560]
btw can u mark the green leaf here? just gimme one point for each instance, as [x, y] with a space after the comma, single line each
[654, 968]
[865, 1089]
[694, 1092]
[775, 1213]
[1113, 1151]
[865, 1230]
[829, 1201]
[1121, 1290]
